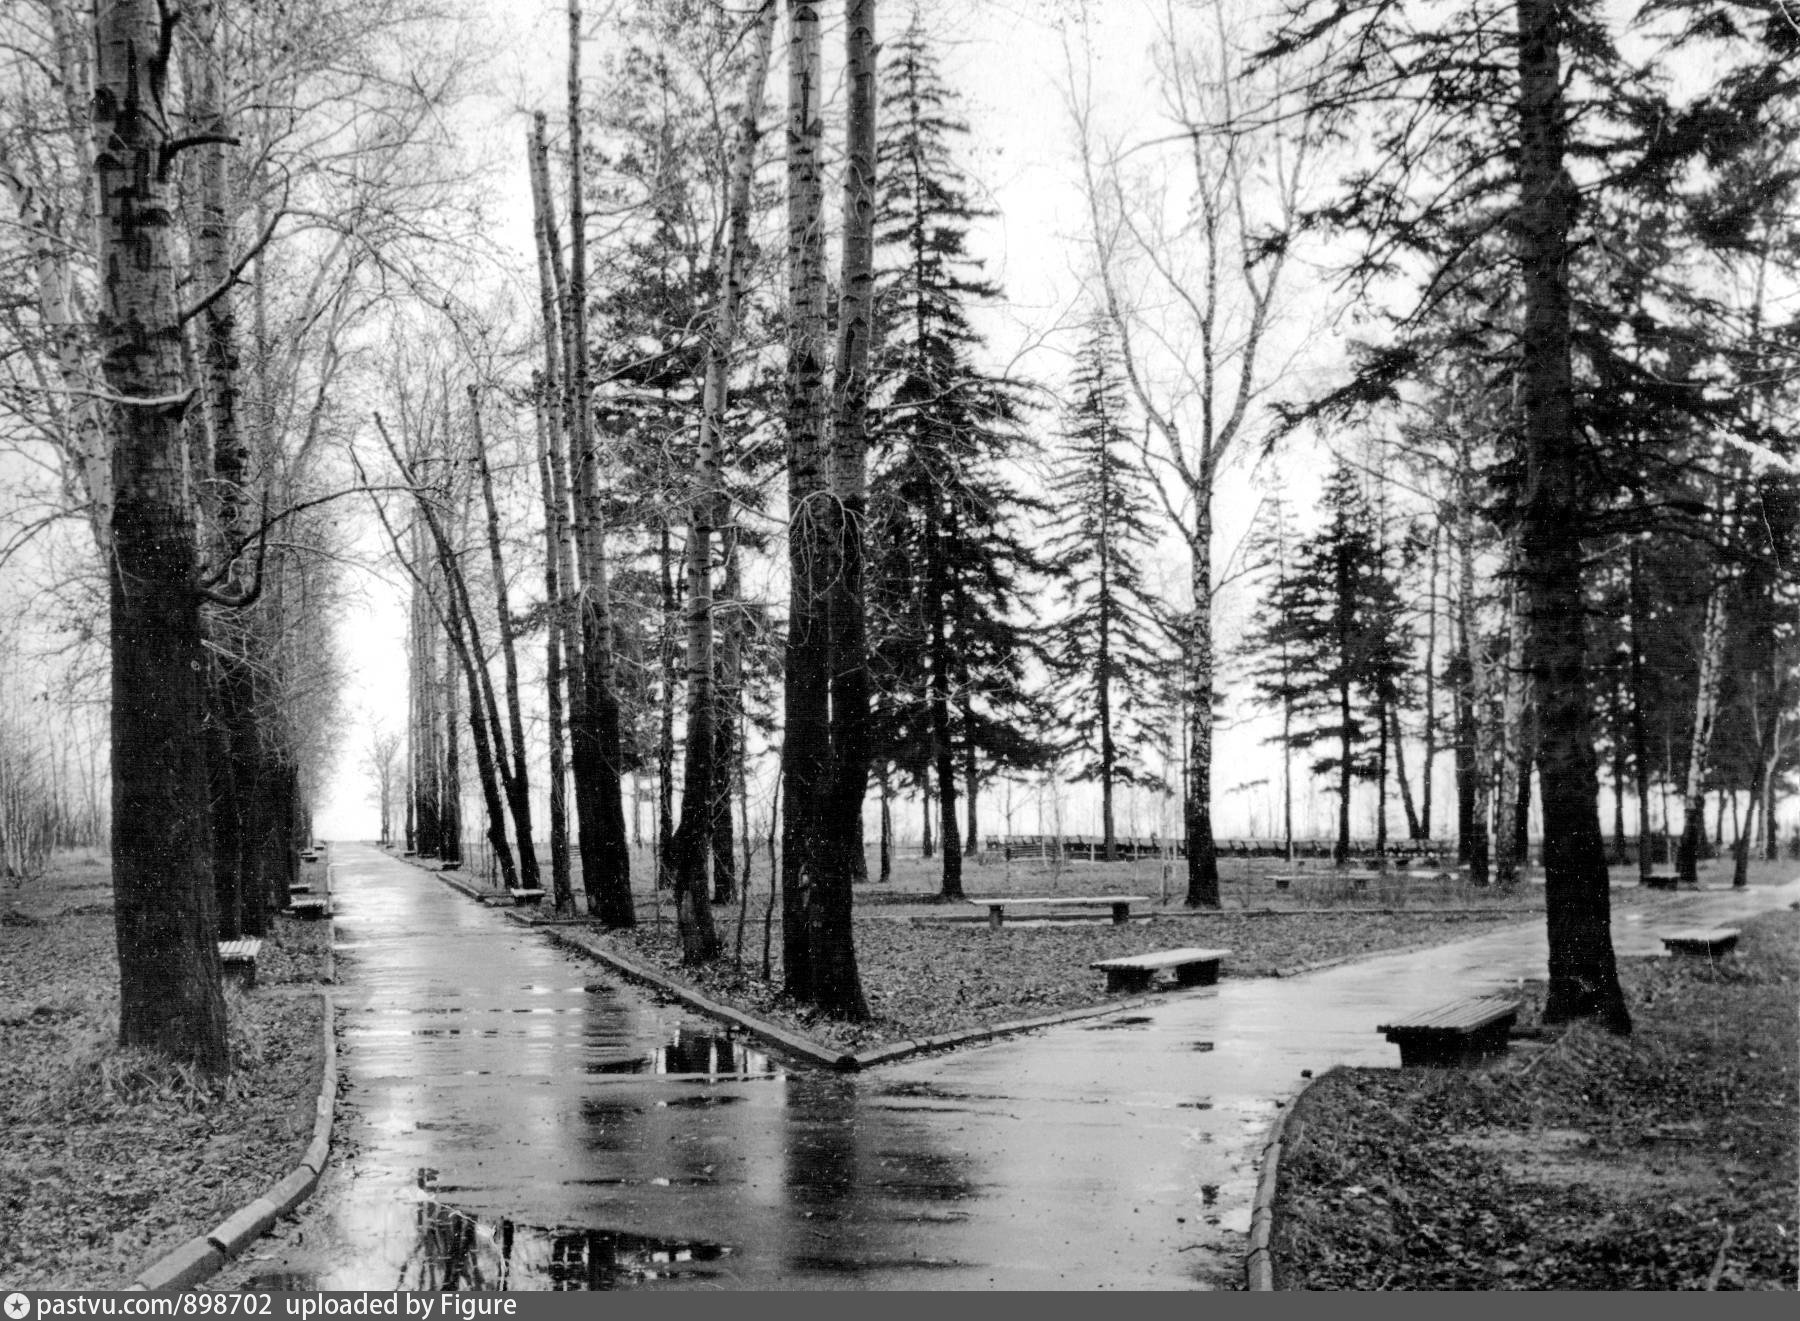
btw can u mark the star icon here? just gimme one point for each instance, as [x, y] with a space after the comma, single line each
[18, 1307]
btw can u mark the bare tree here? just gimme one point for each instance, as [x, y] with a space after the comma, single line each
[1191, 284]
[382, 761]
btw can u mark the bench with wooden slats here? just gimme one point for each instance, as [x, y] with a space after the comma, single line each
[238, 958]
[310, 906]
[1711, 943]
[1192, 967]
[1455, 1033]
[1119, 903]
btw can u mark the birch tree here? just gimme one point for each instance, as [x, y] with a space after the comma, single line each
[171, 998]
[710, 510]
[1190, 275]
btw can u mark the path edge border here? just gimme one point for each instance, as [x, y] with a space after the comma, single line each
[1259, 1263]
[204, 1255]
[804, 1047]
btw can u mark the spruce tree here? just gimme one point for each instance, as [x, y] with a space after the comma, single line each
[1103, 648]
[1337, 651]
[945, 520]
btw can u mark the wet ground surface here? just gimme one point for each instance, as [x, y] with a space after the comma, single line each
[513, 1119]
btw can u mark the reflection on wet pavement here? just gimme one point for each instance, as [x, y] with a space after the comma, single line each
[507, 1121]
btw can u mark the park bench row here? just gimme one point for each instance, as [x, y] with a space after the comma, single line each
[1092, 848]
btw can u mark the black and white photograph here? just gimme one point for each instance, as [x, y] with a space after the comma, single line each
[896, 645]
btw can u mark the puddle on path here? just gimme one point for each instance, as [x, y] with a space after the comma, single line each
[453, 1251]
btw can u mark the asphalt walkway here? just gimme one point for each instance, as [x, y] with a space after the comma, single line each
[516, 1119]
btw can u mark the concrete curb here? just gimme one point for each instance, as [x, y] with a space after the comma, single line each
[804, 1047]
[1259, 1265]
[204, 1255]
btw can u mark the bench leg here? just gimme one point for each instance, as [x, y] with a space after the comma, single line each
[1197, 974]
[995, 917]
[1128, 979]
[1121, 914]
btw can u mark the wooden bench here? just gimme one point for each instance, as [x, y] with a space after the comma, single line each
[1699, 941]
[310, 906]
[1661, 882]
[309, 855]
[509, 898]
[1119, 903]
[1192, 967]
[238, 958]
[1455, 1033]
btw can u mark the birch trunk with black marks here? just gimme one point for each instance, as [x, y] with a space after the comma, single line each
[1514, 769]
[1706, 710]
[709, 510]
[518, 785]
[825, 753]
[1474, 765]
[243, 905]
[561, 894]
[164, 908]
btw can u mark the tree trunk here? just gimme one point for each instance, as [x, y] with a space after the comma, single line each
[1584, 981]
[1640, 741]
[729, 756]
[1513, 763]
[1346, 751]
[449, 772]
[806, 737]
[242, 908]
[1473, 764]
[1415, 827]
[1706, 706]
[926, 840]
[1381, 773]
[170, 991]
[708, 509]
[518, 786]
[971, 780]
[825, 755]
[605, 852]
[1430, 731]
[837, 985]
[561, 892]
[1202, 857]
[887, 827]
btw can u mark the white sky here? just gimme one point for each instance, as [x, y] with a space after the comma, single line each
[1007, 58]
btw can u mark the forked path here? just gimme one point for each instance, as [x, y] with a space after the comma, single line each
[516, 1119]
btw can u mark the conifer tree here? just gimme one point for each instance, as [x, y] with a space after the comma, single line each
[1333, 632]
[1103, 650]
[943, 512]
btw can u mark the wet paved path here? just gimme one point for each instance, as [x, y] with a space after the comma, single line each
[514, 1119]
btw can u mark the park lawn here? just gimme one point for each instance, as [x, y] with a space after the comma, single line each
[925, 973]
[110, 1158]
[1663, 1160]
[922, 975]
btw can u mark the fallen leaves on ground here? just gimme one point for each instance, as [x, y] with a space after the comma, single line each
[113, 1158]
[929, 977]
[1662, 1160]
